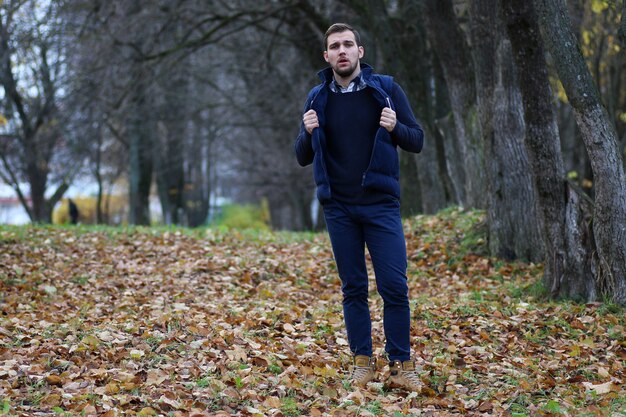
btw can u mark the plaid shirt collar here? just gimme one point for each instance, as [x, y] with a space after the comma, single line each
[357, 84]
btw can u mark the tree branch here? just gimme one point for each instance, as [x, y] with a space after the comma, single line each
[7, 79]
[14, 183]
[213, 35]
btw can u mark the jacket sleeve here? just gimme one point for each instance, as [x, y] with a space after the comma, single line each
[407, 133]
[303, 146]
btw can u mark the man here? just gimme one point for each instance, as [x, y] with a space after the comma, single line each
[73, 210]
[352, 124]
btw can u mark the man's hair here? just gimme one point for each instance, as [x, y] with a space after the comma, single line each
[338, 28]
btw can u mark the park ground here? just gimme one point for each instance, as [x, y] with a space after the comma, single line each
[208, 322]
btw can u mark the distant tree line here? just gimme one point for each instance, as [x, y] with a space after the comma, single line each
[523, 104]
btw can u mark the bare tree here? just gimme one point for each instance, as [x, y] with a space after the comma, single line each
[600, 137]
[31, 52]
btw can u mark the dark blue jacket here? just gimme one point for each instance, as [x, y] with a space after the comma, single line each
[384, 169]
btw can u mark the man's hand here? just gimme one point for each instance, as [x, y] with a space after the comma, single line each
[310, 121]
[388, 119]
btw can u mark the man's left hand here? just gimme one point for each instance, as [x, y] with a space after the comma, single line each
[388, 119]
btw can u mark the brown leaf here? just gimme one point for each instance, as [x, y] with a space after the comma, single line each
[156, 376]
[485, 406]
[54, 380]
[52, 400]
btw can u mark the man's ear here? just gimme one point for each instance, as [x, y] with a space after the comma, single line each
[361, 52]
[326, 56]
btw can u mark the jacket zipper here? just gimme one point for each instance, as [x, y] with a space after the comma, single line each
[374, 147]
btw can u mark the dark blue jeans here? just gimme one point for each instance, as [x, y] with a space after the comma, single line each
[379, 226]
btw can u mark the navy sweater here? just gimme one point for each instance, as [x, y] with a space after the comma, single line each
[352, 120]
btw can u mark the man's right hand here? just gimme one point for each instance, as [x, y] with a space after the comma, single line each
[310, 121]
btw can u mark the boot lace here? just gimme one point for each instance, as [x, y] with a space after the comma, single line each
[360, 373]
[412, 378]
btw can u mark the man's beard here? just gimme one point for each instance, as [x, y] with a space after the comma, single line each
[345, 72]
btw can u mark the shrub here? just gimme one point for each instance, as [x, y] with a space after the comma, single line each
[117, 206]
[246, 216]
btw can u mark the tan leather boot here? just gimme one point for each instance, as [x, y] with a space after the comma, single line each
[404, 375]
[363, 370]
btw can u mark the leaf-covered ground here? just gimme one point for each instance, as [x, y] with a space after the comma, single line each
[174, 323]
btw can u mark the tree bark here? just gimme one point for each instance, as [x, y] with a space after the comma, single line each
[411, 190]
[600, 137]
[565, 234]
[445, 139]
[449, 44]
[140, 158]
[511, 209]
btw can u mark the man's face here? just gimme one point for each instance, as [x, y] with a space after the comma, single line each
[343, 54]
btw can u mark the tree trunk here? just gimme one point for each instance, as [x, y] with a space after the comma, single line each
[449, 44]
[411, 190]
[511, 208]
[97, 171]
[197, 190]
[140, 160]
[406, 57]
[562, 219]
[431, 183]
[445, 139]
[167, 154]
[600, 137]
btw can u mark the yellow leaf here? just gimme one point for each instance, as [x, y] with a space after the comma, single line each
[560, 92]
[146, 412]
[622, 117]
[330, 392]
[598, 6]
[136, 354]
[91, 341]
[3, 120]
[52, 400]
[112, 388]
[326, 371]
[589, 343]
